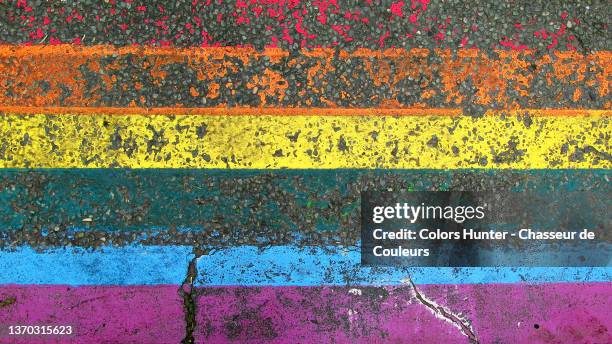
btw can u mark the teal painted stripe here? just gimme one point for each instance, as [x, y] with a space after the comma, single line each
[132, 265]
[314, 266]
[323, 200]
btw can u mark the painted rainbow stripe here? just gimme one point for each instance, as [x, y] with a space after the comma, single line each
[506, 313]
[114, 314]
[178, 200]
[286, 275]
[316, 266]
[144, 77]
[129, 265]
[330, 142]
[564, 312]
[252, 266]
[242, 294]
[133, 154]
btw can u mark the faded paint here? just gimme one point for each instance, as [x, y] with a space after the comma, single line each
[169, 206]
[108, 265]
[550, 313]
[290, 265]
[97, 314]
[251, 266]
[146, 77]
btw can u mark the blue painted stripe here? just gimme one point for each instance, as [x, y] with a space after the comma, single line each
[131, 265]
[250, 266]
[313, 266]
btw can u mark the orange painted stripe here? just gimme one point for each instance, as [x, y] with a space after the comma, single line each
[283, 111]
[40, 75]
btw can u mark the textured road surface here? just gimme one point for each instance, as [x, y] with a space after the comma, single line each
[190, 171]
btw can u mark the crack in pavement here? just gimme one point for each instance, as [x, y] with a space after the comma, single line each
[445, 314]
[189, 295]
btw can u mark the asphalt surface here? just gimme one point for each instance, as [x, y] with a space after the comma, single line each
[292, 25]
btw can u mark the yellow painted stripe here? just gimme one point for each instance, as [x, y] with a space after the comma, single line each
[298, 142]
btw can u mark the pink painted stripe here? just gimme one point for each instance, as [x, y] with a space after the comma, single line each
[98, 314]
[496, 313]
[505, 313]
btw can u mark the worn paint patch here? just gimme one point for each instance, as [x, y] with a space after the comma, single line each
[104, 76]
[297, 24]
[543, 313]
[509, 313]
[250, 266]
[317, 315]
[134, 265]
[109, 314]
[517, 141]
[340, 266]
[211, 209]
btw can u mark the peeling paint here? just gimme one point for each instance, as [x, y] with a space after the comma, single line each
[104, 76]
[444, 314]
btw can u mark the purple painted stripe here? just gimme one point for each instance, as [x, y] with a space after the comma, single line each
[98, 314]
[495, 313]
